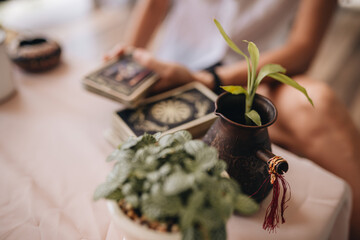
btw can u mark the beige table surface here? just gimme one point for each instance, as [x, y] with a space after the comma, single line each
[52, 157]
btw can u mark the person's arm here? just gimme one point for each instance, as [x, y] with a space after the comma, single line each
[295, 56]
[147, 16]
[145, 19]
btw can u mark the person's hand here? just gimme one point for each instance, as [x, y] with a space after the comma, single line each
[171, 74]
[117, 51]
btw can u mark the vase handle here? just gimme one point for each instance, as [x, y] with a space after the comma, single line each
[281, 165]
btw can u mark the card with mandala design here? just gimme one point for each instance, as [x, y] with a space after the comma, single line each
[122, 80]
[189, 107]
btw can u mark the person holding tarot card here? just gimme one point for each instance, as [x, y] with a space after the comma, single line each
[288, 33]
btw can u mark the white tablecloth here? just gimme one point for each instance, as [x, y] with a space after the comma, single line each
[52, 157]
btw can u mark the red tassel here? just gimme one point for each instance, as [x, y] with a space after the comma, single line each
[273, 212]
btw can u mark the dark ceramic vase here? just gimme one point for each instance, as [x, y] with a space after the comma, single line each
[244, 148]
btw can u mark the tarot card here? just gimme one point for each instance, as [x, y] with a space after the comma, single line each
[189, 107]
[123, 80]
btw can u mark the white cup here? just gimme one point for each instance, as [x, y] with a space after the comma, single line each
[7, 86]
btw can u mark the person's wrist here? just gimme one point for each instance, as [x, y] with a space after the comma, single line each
[216, 81]
[205, 78]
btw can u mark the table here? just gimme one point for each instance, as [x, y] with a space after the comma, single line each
[52, 157]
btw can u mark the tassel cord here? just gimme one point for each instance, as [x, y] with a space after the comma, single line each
[274, 211]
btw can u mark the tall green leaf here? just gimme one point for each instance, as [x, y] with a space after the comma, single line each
[254, 57]
[233, 46]
[285, 79]
[228, 40]
[267, 70]
[235, 89]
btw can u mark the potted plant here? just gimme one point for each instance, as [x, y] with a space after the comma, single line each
[254, 79]
[171, 187]
[241, 137]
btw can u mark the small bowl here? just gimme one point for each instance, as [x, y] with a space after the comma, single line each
[134, 231]
[34, 54]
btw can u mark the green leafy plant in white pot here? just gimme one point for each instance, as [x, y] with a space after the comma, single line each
[171, 187]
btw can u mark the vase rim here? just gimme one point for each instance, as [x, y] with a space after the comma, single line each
[267, 124]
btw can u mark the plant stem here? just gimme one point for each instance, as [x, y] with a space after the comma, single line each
[248, 105]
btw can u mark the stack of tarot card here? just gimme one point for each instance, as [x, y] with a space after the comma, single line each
[122, 80]
[190, 107]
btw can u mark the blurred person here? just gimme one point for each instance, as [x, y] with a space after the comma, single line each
[288, 33]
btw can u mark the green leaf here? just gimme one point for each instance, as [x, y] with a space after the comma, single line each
[218, 233]
[140, 155]
[157, 136]
[153, 149]
[229, 186]
[133, 200]
[166, 140]
[165, 169]
[196, 200]
[192, 233]
[209, 218]
[151, 162]
[191, 147]
[129, 143]
[161, 206]
[233, 46]
[177, 183]
[254, 57]
[235, 89]
[267, 70]
[219, 167]
[105, 190]
[166, 152]
[125, 155]
[228, 40]
[115, 195]
[246, 205]
[187, 218]
[119, 173]
[153, 176]
[182, 136]
[113, 155]
[287, 80]
[156, 189]
[206, 158]
[254, 116]
[146, 139]
[127, 189]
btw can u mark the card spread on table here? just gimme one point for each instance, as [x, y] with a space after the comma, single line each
[122, 80]
[189, 107]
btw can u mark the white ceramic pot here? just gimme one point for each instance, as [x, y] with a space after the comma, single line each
[7, 87]
[134, 231]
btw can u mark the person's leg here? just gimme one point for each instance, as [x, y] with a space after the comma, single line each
[324, 134]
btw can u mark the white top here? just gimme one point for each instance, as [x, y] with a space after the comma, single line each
[190, 36]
